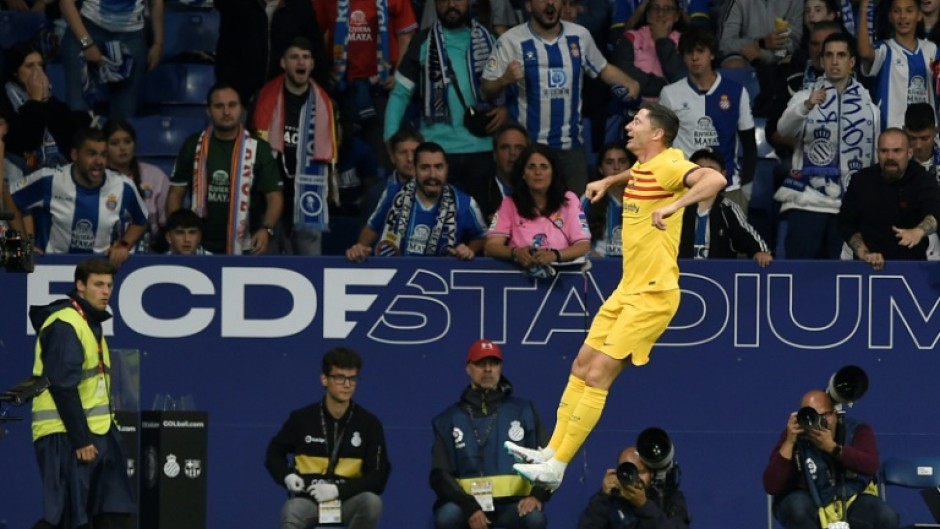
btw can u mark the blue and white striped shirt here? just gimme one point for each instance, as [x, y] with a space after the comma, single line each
[547, 101]
[902, 77]
[115, 15]
[71, 218]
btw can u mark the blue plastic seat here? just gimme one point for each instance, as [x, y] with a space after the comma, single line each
[56, 74]
[189, 31]
[921, 473]
[163, 136]
[19, 26]
[746, 77]
[177, 89]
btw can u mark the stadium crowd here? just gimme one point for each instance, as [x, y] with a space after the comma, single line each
[396, 128]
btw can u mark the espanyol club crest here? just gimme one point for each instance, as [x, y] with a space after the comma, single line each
[171, 468]
[575, 50]
[724, 103]
[356, 440]
[111, 203]
[516, 433]
[193, 468]
[821, 150]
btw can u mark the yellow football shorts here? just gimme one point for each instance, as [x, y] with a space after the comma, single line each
[629, 324]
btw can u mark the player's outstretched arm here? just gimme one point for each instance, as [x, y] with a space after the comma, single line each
[703, 183]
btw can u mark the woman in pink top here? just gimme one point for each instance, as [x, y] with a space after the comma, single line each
[541, 222]
[648, 53]
[152, 183]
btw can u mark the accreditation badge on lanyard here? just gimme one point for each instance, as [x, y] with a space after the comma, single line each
[331, 511]
[482, 491]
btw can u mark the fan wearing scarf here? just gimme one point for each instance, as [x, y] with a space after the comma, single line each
[106, 43]
[833, 123]
[295, 115]
[227, 171]
[444, 65]
[41, 126]
[368, 39]
[425, 216]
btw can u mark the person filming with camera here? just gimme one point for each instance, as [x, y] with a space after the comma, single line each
[642, 492]
[818, 481]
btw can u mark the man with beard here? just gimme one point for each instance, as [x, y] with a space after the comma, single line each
[471, 477]
[225, 166]
[544, 60]
[444, 65]
[425, 216]
[295, 115]
[833, 124]
[890, 208]
[82, 207]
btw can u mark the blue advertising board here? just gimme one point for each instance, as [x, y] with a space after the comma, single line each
[245, 336]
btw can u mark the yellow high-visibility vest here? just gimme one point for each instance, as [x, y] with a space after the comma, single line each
[93, 388]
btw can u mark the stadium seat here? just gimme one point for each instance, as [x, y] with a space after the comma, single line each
[56, 74]
[746, 77]
[920, 473]
[163, 135]
[19, 26]
[344, 232]
[177, 89]
[189, 31]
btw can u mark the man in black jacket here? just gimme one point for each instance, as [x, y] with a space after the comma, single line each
[718, 229]
[471, 474]
[340, 464]
[890, 209]
[636, 505]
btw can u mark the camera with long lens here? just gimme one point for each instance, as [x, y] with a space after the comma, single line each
[16, 252]
[657, 452]
[628, 475]
[810, 419]
[847, 385]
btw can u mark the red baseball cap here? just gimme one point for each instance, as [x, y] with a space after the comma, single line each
[484, 349]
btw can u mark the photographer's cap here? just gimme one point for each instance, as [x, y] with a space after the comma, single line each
[484, 349]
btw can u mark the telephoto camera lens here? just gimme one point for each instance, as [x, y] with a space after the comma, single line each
[628, 474]
[655, 448]
[848, 384]
[809, 419]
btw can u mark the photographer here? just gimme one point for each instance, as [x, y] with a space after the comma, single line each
[837, 474]
[634, 503]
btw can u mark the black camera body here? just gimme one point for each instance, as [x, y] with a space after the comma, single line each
[16, 252]
[628, 475]
[810, 419]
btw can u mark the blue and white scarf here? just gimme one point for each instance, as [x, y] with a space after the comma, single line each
[437, 74]
[341, 42]
[311, 211]
[116, 65]
[398, 222]
[838, 140]
[47, 155]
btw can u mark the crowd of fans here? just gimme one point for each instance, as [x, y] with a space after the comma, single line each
[468, 127]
